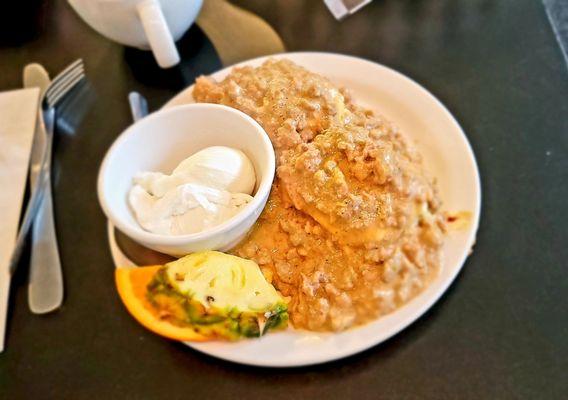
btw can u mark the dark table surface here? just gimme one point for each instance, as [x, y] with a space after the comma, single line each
[498, 333]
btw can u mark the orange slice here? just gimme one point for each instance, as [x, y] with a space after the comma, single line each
[132, 284]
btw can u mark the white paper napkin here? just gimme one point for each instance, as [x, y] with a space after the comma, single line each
[18, 112]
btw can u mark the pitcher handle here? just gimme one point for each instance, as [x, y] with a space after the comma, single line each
[158, 33]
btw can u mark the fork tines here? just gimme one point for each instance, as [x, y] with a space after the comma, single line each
[64, 82]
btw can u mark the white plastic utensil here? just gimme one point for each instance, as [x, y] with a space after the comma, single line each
[138, 105]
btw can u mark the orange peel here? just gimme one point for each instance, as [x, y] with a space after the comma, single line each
[132, 287]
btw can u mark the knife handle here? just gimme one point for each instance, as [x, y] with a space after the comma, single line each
[45, 291]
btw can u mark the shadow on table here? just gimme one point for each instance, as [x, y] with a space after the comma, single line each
[198, 57]
[70, 114]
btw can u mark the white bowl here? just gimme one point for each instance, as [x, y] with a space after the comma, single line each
[160, 142]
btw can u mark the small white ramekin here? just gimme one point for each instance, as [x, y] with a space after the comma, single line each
[160, 142]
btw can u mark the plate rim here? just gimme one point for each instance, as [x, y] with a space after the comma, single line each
[421, 307]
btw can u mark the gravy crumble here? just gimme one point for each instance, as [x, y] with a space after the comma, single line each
[352, 229]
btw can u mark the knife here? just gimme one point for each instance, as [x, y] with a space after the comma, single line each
[45, 287]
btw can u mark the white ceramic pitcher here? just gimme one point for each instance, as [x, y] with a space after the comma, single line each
[146, 24]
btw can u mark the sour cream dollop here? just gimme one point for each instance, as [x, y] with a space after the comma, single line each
[203, 191]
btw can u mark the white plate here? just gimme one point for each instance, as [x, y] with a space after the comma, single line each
[447, 155]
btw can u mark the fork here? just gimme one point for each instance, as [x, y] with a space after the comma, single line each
[57, 91]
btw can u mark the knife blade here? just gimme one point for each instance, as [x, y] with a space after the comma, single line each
[45, 286]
